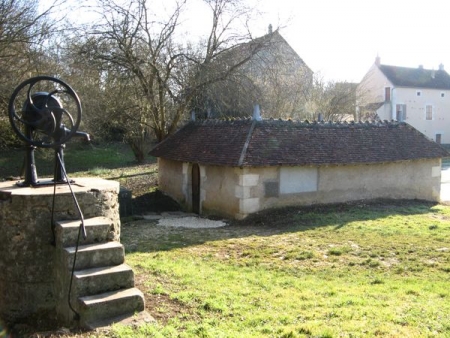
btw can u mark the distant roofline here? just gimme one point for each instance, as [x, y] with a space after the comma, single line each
[418, 77]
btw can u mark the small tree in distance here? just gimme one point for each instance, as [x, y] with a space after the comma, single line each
[331, 101]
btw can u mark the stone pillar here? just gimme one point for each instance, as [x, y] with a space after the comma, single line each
[28, 286]
[247, 203]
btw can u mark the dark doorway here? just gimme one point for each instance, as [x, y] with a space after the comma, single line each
[195, 188]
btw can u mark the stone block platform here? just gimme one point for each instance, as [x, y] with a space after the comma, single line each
[36, 255]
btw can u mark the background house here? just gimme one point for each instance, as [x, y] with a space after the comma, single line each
[274, 76]
[418, 96]
[235, 168]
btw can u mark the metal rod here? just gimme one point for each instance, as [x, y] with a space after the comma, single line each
[83, 228]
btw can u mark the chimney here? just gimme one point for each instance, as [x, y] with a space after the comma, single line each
[441, 67]
[270, 29]
[420, 66]
[378, 60]
[256, 113]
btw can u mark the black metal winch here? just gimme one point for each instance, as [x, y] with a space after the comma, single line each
[45, 112]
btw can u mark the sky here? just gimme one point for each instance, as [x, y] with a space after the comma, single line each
[340, 39]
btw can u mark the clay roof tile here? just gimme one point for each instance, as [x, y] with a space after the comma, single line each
[250, 143]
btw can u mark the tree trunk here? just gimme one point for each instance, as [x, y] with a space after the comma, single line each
[137, 145]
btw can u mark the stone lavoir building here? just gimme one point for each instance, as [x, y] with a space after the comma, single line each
[238, 167]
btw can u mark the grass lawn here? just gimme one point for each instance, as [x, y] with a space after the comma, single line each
[360, 270]
[354, 270]
[80, 159]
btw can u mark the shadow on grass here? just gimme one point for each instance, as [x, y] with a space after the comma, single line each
[128, 176]
[148, 236]
[154, 202]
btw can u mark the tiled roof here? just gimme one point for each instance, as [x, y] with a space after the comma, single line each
[208, 142]
[416, 77]
[249, 143]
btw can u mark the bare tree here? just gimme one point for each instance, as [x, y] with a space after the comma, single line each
[272, 75]
[136, 57]
[331, 101]
[155, 79]
[23, 30]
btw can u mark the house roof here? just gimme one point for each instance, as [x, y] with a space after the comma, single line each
[416, 77]
[374, 106]
[250, 143]
[276, 41]
[268, 49]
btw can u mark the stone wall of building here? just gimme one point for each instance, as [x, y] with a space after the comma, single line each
[286, 186]
[238, 192]
[172, 180]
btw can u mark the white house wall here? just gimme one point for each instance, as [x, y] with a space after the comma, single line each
[372, 87]
[416, 111]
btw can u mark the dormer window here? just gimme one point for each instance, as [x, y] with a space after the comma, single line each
[418, 93]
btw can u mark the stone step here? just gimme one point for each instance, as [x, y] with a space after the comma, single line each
[99, 280]
[95, 255]
[110, 305]
[97, 231]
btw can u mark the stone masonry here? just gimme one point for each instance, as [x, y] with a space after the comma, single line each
[28, 277]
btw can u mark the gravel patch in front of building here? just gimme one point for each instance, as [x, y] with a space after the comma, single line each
[190, 222]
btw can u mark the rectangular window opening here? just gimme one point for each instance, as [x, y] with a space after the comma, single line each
[438, 138]
[429, 112]
[387, 94]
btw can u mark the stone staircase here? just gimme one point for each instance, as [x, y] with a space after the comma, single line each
[103, 289]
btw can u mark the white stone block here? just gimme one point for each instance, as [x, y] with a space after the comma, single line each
[249, 205]
[435, 171]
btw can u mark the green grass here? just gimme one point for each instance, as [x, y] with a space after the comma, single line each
[79, 159]
[110, 161]
[358, 271]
